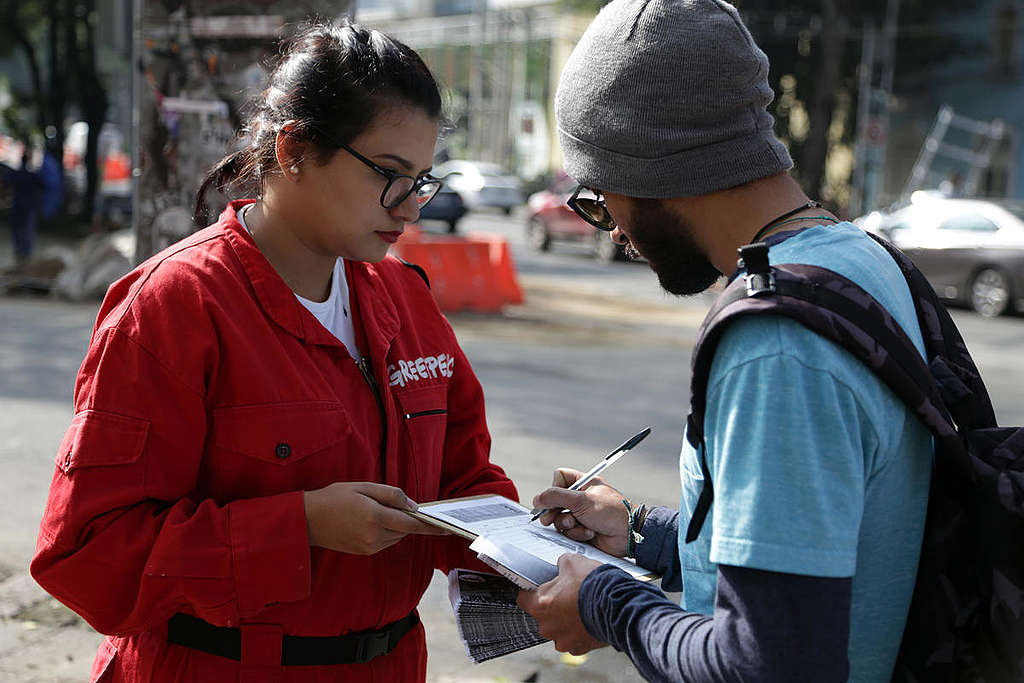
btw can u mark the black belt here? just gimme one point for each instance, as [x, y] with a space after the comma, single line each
[351, 648]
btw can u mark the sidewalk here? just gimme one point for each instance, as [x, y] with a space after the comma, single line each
[43, 642]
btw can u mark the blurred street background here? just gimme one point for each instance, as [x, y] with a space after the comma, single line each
[903, 115]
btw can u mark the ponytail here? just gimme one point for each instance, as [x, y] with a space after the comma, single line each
[231, 170]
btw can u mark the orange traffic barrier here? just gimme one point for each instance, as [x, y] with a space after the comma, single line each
[472, 272]
[502, 268]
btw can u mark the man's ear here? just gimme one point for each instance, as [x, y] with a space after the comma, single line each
[290, 150]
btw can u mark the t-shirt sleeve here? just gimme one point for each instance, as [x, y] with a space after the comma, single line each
[787, 455]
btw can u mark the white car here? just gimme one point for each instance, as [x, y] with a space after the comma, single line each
[481, 184]
[971, 250]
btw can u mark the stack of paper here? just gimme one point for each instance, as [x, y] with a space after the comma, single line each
[489, 621]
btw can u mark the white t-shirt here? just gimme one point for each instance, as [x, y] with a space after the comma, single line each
[335, 313]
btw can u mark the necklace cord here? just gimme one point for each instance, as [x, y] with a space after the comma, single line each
[808, 218]
[792, 212]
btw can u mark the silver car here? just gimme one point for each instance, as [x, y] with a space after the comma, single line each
[971, 250]
[482, 184]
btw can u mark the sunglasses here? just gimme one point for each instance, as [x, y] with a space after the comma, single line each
[399, 186]
[589, 205]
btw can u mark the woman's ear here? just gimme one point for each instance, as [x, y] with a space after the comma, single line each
[289, 150]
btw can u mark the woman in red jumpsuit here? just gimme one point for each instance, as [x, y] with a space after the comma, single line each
[261, 400]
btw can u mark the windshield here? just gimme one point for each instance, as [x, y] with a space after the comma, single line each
[490, 170]
[1016, 208]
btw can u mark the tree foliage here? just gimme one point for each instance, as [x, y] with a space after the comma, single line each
[815, 48]
[57, 41]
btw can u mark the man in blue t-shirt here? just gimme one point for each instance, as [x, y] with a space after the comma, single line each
[805, 568]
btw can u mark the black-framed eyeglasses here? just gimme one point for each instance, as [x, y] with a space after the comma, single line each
[591, 208]
[399, 185]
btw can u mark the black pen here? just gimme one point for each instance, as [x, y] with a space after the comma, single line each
[600, 467]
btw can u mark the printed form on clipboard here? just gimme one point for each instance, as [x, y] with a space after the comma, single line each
[503, 537]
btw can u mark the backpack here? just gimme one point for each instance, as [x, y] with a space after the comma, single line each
[966, 617]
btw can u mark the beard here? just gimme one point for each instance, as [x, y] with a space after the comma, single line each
[666, 241]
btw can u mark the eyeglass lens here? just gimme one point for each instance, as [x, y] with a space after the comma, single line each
[400, 187]
[590, 206]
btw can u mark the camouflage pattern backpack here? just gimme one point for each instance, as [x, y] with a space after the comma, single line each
[966, 620]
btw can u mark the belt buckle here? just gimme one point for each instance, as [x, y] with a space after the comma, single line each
[371, 646]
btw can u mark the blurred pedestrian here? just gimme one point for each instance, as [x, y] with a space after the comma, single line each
[805, 568]
[26, 187]
[52, 176]
[262, 401]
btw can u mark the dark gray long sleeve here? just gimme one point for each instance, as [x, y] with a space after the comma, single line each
[767, 626]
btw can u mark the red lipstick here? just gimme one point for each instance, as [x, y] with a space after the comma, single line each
[389, 236]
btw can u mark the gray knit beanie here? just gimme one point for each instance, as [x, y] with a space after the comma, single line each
[666, 98]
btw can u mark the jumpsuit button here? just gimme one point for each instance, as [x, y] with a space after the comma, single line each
[283, 450]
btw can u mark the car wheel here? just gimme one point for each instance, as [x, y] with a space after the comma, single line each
[605, 250]
[507, 210]
[537, 235]
[990, 292]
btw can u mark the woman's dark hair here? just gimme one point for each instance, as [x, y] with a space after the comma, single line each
[332, 81]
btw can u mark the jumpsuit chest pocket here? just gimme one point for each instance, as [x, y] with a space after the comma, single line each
[280, 434]
[424, 413]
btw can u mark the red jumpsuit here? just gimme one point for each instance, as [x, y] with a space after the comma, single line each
[209, 399]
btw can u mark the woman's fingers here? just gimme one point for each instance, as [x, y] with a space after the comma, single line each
[403, 523]
[387, 495]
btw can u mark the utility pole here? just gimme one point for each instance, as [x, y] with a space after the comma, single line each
[477, 67]
[504, 74]
[880, 137]
[864, 95]
[873, 111]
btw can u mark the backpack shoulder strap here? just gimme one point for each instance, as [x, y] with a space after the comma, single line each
[839, 310]
[950, 361]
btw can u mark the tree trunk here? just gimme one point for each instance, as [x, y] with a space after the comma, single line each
[92, 99]
[57, 99]
[822, 101]
[35, 73]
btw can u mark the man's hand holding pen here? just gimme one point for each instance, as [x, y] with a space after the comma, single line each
[595, 514]
[585, 508]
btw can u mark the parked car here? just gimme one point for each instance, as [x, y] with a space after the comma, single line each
[971, 250]
[549, 219]
[481, 184]
[446, 206]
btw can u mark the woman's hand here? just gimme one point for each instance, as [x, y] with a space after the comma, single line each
[596, 514]
[361, 517]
